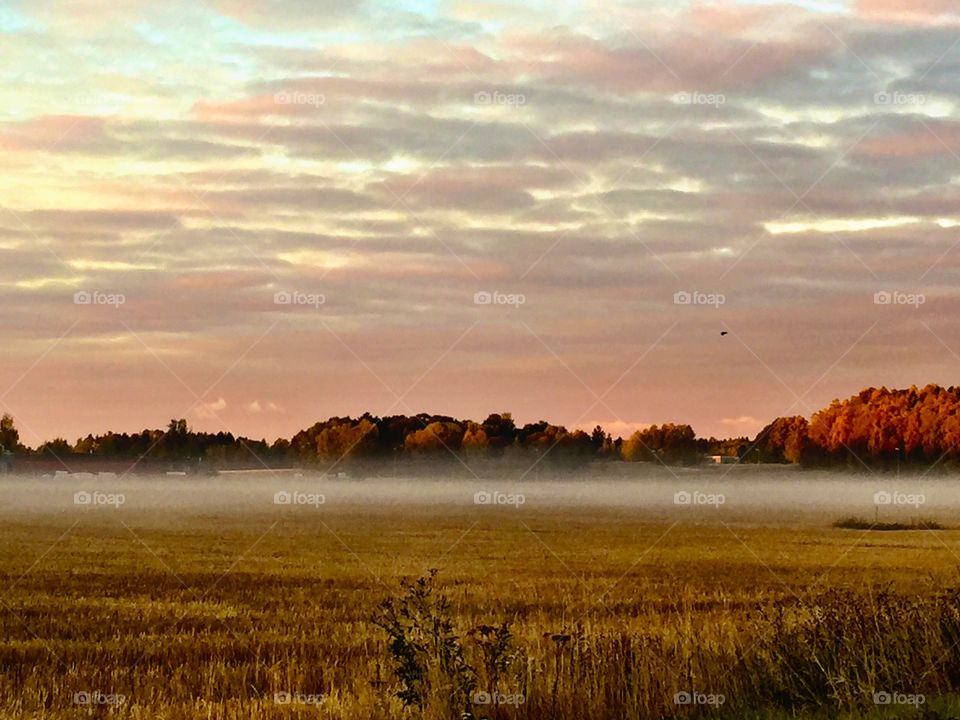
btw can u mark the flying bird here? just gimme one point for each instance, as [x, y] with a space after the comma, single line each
[724, 332]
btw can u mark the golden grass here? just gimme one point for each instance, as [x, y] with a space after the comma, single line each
[201, 616]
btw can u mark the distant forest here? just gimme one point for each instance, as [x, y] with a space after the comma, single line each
[875, 428]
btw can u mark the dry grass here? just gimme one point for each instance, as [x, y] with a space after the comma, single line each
[610, 616]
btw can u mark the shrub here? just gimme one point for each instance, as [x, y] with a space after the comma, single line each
[427, 654]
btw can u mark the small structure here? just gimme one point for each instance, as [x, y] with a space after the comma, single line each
[721, 459]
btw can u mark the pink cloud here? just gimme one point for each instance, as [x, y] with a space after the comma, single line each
[616, 428]
[936, 138]
[438, 58]
[307, 97]
[256, 106]
[744, 425]
[721, 61]
[913, 12]
[54, 132]
[736, 20]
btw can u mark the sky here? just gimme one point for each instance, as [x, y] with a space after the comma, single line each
[256, 214]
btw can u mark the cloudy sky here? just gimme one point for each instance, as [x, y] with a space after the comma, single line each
[259, 213]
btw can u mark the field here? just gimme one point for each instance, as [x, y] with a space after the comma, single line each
[224, 606]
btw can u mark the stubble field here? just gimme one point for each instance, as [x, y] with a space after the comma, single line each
[234, 609]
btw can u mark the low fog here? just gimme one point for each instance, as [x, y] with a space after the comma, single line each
[737, 494]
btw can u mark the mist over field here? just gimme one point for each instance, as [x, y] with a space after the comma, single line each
[743, 494]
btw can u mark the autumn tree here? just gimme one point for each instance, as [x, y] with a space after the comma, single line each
[434, 437]
[475, 440]
[878, 425]
[667, 443]
[347, 439]
[783, 440]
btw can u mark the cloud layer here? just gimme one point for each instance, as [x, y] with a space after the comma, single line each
[279, 210]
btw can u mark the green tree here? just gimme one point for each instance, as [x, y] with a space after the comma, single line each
[500, 430]
[56, 448]
[9, 436]
[178, 443]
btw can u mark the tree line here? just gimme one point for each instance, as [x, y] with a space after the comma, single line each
[345, 440]
[876, 427]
